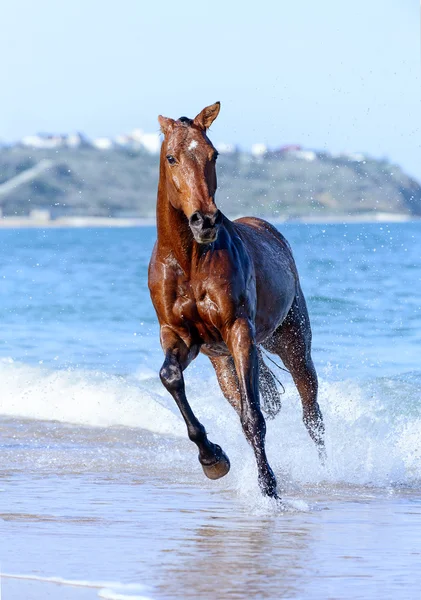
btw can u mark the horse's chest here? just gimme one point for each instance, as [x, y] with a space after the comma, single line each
[194, 309]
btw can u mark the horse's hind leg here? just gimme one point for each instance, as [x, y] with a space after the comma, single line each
[270, 398]
[292, 343]
[228, 381]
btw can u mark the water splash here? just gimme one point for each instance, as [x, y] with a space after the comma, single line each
[373, 429]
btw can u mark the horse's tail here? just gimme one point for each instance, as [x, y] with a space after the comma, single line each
[269, 394]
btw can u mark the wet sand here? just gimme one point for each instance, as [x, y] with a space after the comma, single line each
[169, 533]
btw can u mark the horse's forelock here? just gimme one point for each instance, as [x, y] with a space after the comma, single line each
[185, 121]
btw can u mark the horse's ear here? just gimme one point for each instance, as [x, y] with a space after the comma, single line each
[207, 116]
[166, 124]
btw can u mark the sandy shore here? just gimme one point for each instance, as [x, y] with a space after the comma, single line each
[30, 222]
[122, 513]
[84, 533]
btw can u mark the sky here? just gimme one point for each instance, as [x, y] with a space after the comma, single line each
[331, 74]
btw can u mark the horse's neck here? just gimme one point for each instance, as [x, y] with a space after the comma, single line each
[174, 234]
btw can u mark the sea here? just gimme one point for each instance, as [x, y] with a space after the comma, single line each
[101, 492]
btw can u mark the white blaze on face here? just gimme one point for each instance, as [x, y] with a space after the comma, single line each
[192, 145]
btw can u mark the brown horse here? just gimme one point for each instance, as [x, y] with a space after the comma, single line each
[223, 288]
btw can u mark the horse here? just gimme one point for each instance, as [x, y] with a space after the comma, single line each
[226, 289]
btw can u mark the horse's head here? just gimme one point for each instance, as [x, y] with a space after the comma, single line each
[188, 157]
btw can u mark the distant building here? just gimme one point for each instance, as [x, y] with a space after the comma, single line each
[353, 156]
[74, 140]
[289, 148]
[122, 140]
[259, 149]
[42, 140]
[151, 142]
[308, 155]
[224, 148]
[294, 151]
[40, 214]
[102, 143]
[52, 140]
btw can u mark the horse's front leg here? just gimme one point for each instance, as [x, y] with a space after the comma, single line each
[178, 356]
[241, 343]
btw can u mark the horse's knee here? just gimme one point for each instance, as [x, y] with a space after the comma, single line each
[171, 376]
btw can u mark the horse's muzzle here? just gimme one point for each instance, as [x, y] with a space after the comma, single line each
[205, 228]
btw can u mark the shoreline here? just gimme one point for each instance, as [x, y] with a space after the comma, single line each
[85, 222]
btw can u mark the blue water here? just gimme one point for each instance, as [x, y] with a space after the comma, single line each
[101, 493]
[78, 297]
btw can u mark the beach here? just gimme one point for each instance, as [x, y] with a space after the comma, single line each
[101, 492]
[117, 522]
[35, 222]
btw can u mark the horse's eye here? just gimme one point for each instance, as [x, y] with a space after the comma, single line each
[215, 155]
[171, 159]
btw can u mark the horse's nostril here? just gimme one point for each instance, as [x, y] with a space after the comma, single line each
[195, 218]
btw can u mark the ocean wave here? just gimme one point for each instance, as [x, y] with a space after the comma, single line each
[373, 428]
[81, 397]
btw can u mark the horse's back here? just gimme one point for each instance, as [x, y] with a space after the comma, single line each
[267, 246]
[267, 231]
[276, 273]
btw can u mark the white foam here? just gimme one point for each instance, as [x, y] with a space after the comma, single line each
[112, 595]
[109, 590]
[82, 398]
[373, 437]
[373, 432]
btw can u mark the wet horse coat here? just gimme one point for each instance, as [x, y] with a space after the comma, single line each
[223, 288]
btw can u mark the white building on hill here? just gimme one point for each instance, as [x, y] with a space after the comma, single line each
[259, 149]
[151, 142]
[52, 140]
[102, 143]
[224, 148]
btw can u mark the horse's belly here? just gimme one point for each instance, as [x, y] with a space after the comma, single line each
[275, 270]
[274, 299]
[216, 349]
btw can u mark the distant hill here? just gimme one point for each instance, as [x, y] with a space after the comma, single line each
[86, 181]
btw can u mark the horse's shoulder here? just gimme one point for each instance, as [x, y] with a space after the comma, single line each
[164, 272]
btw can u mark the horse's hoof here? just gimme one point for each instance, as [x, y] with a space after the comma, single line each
[219, 468]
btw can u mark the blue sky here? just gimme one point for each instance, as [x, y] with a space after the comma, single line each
[344, 76]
